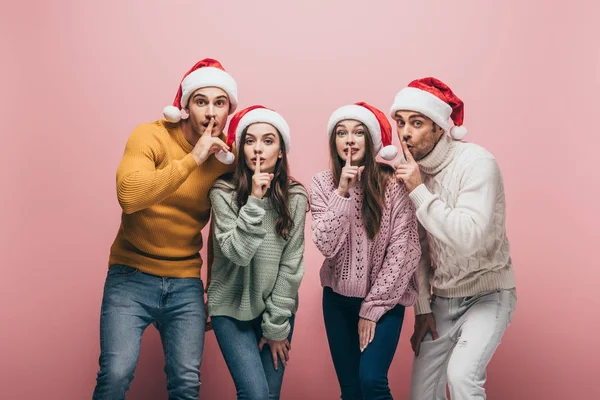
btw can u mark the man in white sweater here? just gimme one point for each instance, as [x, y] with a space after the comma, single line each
[466, 283]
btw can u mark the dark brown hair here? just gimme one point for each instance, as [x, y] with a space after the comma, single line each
[374, 180]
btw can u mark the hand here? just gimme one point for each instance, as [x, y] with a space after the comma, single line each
[408, 172]
[366, 332]
[349, 174]
[208, 144]
[261, 182]
[279, 348]
[424, 324]
[208, 322]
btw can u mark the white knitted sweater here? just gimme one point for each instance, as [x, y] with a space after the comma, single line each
[461, 205]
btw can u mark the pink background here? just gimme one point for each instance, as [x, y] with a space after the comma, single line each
[76, 77]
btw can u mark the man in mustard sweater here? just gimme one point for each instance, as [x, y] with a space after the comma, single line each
[163, 181]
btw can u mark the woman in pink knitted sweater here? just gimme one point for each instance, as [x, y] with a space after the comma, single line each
[365, 225]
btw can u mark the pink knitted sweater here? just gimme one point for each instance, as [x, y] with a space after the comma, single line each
[381, 271]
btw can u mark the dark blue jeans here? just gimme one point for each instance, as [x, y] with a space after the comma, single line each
[252, 371]
[362, 376]
[132, 301]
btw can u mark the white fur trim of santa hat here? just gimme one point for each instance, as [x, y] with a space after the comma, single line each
[267, 116]
[418, 100]
[209, 77]
[357, 113]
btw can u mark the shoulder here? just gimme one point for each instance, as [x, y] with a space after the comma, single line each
[322, 179]
[474, 159]
[222, 189]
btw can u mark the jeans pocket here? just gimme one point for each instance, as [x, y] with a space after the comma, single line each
[121, 270]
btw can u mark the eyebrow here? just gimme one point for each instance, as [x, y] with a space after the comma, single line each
[204, 96]
[266, 134]
[360, 125]
[417, 115]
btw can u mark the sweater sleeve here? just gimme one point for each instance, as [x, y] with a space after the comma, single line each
[463, 227]
[139, 183]
[400, 261]
[423, 304]
[238, 233]
[282, 301]
[330, 218]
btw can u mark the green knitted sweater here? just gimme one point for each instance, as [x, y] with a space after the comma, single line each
[254, 269]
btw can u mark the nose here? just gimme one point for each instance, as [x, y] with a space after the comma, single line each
[405, 133]
[258, 147]
[350, 139]
[210, 111]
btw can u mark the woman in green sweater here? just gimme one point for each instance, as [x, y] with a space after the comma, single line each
[258, 246]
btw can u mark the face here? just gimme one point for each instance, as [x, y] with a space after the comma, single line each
[204, 104]
[262, 144]
[419, 132]
[351, 134]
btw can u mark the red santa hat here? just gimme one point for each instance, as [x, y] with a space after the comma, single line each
[376, 122]
[434, 99]
[206, 73]
[252, 115]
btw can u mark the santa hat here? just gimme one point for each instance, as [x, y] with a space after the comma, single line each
[434, 99]
[376, 122]
[206, 73]
[253, 115]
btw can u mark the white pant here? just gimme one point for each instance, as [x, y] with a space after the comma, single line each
[470, 330]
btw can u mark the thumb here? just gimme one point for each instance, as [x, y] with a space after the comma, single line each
[261, 344]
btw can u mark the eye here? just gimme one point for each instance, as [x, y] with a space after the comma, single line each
[418, 123]
[341, 132]
[268, 141]
[200, 102]
[400, 123]
[220, 103]
[249, 141]
[360, 132]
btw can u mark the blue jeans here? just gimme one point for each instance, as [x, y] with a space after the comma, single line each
[252, 371]
[362, 376]
[132, 301]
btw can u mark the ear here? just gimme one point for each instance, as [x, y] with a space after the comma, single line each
[280, 154]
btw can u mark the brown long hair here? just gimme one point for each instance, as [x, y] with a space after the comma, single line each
[374, 180]
[280, 185]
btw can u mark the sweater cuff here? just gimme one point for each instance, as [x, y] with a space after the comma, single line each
[419, 195]
[278, 335]
[254, 202]
[187, 165]
[371, 312]
[423, 306]
[339, 203]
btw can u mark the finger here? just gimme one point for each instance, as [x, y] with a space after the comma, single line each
[418, 344]
[286, 353]
[261, 344]
[210, 126]
[406, 152]
[349, 156]
[360, 170]
[434, 334]
[282, 357]
[372, 333]
[274, 355]
[413, 340]
[257, 166]
[363, 338]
